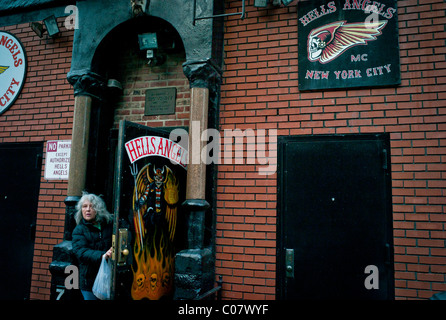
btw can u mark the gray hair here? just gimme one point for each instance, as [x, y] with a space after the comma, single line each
[98, 205]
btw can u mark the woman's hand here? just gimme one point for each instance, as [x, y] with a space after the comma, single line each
[108, 253]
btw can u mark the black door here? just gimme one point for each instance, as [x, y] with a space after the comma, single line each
[335, 219]
[150, 185]
[20, 171]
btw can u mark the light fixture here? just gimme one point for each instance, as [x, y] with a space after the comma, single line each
[114, 88]
[264, 3]
[286, 2]
[149, 42]
[260, 3]
[50, 25]
[38, 28]
[282, 2]
[114, 84]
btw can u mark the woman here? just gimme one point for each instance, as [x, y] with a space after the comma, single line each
[92, 239]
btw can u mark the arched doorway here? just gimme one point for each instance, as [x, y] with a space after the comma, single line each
[100, 44]
[154, 223]
[119, 58]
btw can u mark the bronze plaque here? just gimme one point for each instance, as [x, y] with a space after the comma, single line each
[160, 101]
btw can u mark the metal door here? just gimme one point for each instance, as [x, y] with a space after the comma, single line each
[335, 219]
[20, 171]
[149, 225]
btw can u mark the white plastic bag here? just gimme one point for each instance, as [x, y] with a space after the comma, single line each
[102, 283]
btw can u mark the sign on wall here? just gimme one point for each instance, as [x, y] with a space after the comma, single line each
[160, 101]
[348, 43]
[12, 69]
[57, 163]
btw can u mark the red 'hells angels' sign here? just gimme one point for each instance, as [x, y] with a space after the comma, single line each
[12, 69]
[348, 43]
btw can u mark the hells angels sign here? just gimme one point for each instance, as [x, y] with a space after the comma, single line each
[348, 43]
[12, 69]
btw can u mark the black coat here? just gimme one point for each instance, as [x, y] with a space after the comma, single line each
[89, 244]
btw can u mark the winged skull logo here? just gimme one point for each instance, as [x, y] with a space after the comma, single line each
[3, 69]
[329, 41]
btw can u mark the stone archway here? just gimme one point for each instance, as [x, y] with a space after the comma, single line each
[89, 75]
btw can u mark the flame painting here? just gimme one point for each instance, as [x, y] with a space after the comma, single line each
[153, 277]
[155, 199]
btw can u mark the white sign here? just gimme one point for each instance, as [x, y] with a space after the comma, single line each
[156, 146]
[12, 69]
[57, 162]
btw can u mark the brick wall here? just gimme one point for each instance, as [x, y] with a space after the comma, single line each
[43, 112]
[260, 91]
[138, 76]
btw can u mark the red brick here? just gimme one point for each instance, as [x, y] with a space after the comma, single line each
[36, 92]
[375, 110]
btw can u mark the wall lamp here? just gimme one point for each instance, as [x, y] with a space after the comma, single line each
[264, 3]
[149, 42]
[286, 2]
[50, 24]
[261, 3]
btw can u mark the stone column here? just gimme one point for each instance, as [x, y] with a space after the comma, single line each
[204, 77]
[196, 203]
[79, 144]
[194, 267]
[198, 122]
[86, 87]
[78, 159]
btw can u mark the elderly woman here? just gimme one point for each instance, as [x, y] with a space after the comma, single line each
[92, 239]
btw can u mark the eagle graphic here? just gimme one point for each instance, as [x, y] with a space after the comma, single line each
[3, 69]
[329, 41]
